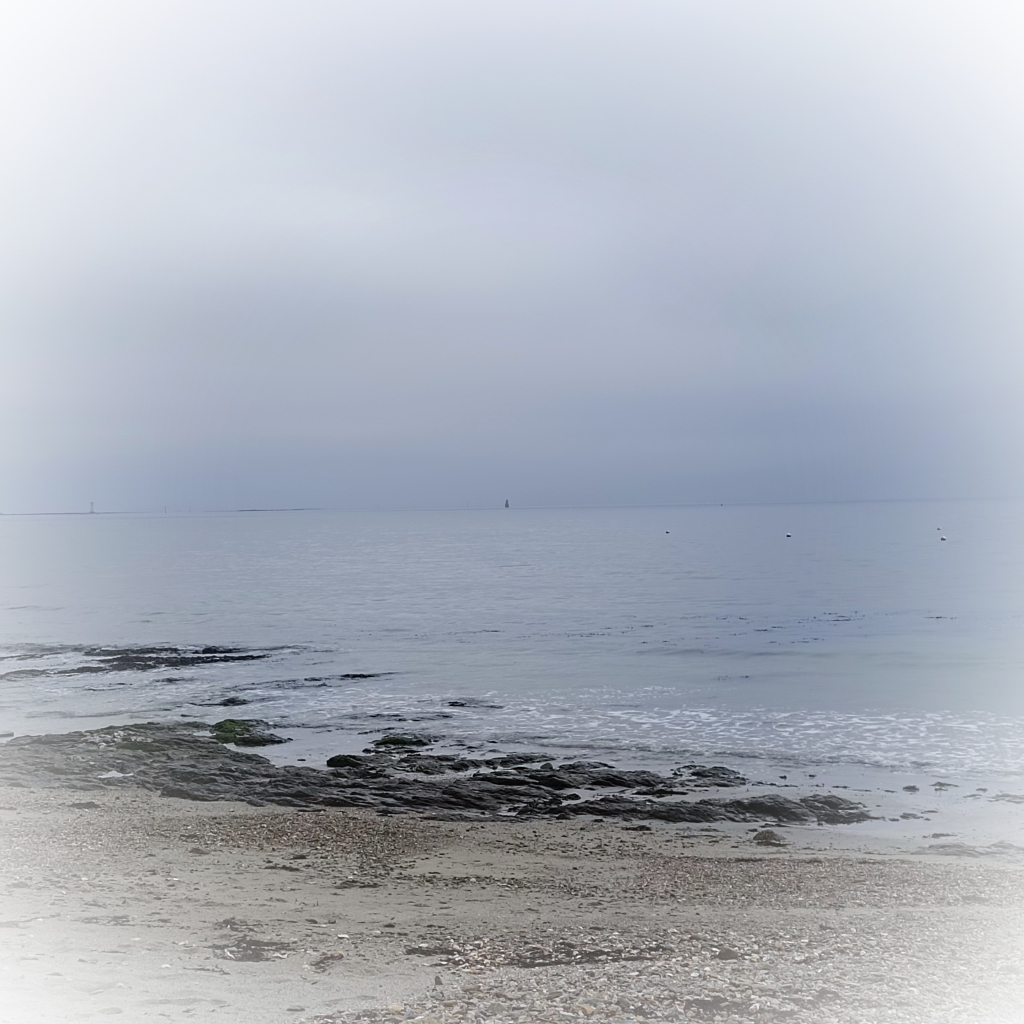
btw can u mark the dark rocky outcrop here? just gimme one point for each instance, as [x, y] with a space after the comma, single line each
[148, 659]
[714, 776]
[403, 740]
[184, 760]
[245, 732]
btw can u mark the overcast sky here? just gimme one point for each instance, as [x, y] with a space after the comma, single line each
[430, 253]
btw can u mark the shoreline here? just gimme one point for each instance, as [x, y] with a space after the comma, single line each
[401, 773]
[121, 901]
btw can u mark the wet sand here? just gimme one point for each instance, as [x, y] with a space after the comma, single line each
[121, 902]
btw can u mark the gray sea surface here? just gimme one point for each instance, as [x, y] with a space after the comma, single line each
[886, 637]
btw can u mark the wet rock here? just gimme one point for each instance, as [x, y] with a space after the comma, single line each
[245, 732]
[401, 739]
[602, 776]
[361, 765]
[830, 809]
[716, 775]
[512, 760]
[833, 810]
[435, 764]
[504, 778]
[349, 761]
[175, 760]
[146, 659]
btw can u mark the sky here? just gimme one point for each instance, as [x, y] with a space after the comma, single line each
[438, 253]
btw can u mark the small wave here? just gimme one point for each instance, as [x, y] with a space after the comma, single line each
[302, 687]
[606, 725]
[936, 742]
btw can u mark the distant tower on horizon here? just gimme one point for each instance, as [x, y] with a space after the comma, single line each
[506, 503]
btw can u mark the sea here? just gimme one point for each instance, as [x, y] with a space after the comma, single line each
[865, 641]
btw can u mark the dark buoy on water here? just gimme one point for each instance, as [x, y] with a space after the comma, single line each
[789, 535]
[942, 538]
[506, 503]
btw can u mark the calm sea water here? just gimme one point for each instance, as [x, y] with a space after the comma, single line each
[658, 633]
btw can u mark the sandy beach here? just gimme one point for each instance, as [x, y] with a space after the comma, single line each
[124, 902]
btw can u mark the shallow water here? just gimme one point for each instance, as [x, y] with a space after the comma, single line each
[658, 634]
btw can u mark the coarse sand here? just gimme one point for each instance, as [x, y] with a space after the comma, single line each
[125, 903]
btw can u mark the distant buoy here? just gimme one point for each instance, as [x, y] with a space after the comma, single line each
[506, 503]
[789, 535]
[942, 538]
[666, 531]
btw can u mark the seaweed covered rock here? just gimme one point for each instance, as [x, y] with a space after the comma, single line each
[245, 732]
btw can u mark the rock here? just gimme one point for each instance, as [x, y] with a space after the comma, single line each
[766, 837]
[172, 759]
[363, 764]
[245, 732]
[435, 764]
[504, 778]
[770, 805]
[725, 953]
[830, 809]
[714, 776]
[399, 739]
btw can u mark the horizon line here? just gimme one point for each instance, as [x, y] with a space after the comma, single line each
[502, 508]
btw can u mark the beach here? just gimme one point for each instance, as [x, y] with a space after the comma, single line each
[119, 901]
[557, 765]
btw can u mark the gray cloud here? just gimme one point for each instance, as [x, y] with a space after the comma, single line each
[403, 254]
